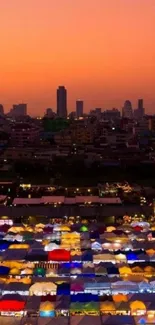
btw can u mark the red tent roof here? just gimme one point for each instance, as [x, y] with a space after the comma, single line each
[59, 255]
[138, 228]
[12, 305]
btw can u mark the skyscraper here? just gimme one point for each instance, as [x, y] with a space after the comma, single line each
[62, 102]
[141, 111]
[79, 108]
[127, 111]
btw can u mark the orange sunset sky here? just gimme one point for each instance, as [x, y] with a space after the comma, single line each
[103, 51]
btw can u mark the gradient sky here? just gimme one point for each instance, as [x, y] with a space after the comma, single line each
[103, 51]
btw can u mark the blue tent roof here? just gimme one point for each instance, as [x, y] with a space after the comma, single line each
[63, 289]
[4, 246]
[4, 270]
[87, 256]
[131, 256]
[86, 297]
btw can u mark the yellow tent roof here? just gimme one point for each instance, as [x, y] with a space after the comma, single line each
[125, 270]
[16, 229]
[110, 229]
[19, 246]
[46, 306]
[14, 271]
[107, 306]
[137, 305]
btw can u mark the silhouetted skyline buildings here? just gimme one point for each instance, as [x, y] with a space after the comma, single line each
[63, 111]
[62, 102]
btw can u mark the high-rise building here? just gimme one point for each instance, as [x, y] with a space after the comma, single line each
[127, 111]
[1, 110]
[18, 110]
[62, 102]
[79, 108]
[140, 111]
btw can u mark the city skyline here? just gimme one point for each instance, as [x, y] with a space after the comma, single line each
[102, 51]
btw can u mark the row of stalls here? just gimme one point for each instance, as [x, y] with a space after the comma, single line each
[28, 286]
[74, 305]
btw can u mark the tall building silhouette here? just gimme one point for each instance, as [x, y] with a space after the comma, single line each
[79, 108]
[141, 110]
[127, 111]
[62, 102]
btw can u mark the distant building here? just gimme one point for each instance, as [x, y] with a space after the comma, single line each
[111, 114]
[141, 126]
[96, 112]
[79, 108]
[62, 102]
[140, 111]
[72, 115]
[49, 113]
[82, 134]
[127, 111]
[18, 110]
[1, 110]
[152, 123]
[24, 134]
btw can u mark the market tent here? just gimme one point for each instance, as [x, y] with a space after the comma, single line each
[63, 289]
[136, 306]
[51, 272]
[51, 246]
[77, 287]
[22, 280]
[91, 307]
[59, 255]
[4, 270]
[137, 269]
[84, 297]
[76, 271]
[110, 229]
[96, 246]
[120, 257]
[14, 271]
[84, 228]
[120, 298]
[12, 303]
[19, 246]
[46, 306]
[125, 270]
[39, 271]
[42, 288]
[76, 307]
[107, 307]
[144, 286]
